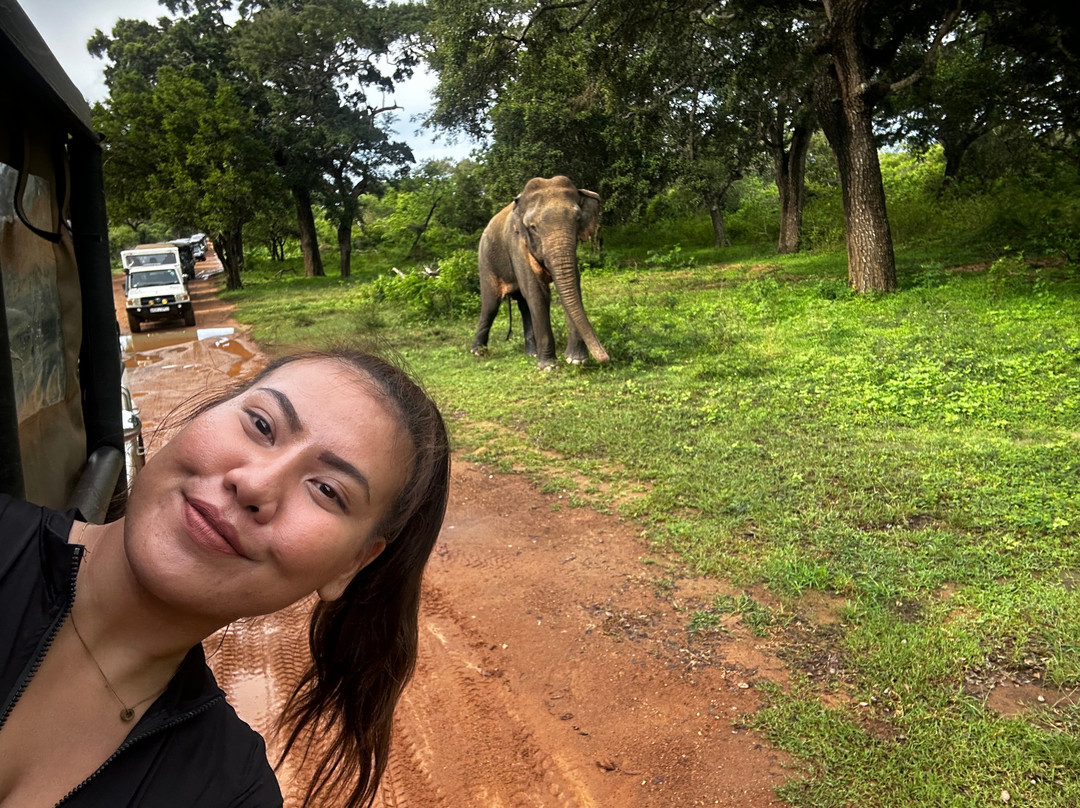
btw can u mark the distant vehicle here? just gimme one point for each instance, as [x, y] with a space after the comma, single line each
[154, 286]
[187, 257]
[198, 246]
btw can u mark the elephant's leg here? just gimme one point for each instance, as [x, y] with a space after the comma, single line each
[538, 298]
[576, 350]
[527, 326]
[489, 307]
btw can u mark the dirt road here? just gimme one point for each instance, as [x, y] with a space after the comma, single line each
[555, 669]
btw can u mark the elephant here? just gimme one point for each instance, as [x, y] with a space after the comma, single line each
[527, 245]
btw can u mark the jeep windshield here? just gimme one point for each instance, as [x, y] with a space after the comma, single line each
[151, 259]
[152, 277]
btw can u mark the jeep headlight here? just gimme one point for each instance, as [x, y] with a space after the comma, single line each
[182, 297]
[133, 301]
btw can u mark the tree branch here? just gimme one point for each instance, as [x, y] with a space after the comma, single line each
[931, 55]
[543, 9]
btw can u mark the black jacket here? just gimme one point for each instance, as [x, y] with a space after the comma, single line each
[189, 748]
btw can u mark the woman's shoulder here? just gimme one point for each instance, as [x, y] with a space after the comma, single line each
[23, 523]
[209, 740]
[234, 762]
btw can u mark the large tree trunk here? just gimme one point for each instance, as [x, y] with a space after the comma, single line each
[229, 246]
[846, 116]
[344, 241]
[309, 239]
[719, 228]
[789, 169]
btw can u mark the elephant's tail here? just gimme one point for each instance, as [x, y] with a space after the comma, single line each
[510, 316]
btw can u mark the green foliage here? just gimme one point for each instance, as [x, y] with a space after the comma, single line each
[754, 615]
[454, 290]
[420, 218]
[672, 259]
[756, 220]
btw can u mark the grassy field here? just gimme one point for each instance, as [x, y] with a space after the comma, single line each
[911, 458]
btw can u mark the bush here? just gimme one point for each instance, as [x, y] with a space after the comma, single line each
[454, 290]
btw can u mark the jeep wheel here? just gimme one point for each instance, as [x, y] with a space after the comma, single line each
[189, 316]
[134, 323]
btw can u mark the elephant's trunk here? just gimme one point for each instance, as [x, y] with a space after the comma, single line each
[564, 272]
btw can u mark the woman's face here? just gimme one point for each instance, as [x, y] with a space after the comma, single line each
[269, 496]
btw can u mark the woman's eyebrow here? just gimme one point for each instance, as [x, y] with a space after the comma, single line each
[287, 407]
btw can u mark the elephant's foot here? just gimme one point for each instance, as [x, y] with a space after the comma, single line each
[479, 350]
[576, 360]
[546, 364]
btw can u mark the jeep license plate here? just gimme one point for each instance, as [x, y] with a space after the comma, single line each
[158, 309]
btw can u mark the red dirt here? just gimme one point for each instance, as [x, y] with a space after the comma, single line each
[555, 665]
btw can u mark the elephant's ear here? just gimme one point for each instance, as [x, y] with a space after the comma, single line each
[515, 214]
[589, 202]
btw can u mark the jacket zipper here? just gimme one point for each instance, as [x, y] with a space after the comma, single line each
[172, 722]
[16, 694]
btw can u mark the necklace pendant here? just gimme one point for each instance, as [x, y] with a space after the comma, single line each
[127, 714]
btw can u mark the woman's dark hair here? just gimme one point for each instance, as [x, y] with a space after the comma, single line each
[364, 644]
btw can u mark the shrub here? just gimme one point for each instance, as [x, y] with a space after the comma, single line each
[454, 290]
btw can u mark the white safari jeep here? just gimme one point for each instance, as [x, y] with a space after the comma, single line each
[154, 284]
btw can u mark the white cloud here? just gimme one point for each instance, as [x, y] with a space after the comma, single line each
[67, 25]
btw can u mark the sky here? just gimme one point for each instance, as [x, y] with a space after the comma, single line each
[66, 25]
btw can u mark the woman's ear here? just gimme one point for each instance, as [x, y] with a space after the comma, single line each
[332, 590]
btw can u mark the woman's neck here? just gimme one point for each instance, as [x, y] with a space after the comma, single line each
[130, 633]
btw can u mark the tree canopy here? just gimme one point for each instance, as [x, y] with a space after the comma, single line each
[738, 77]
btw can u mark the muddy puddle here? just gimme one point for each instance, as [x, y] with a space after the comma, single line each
[142, 350]
[205, 358]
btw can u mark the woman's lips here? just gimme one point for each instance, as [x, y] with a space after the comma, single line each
[208, 530]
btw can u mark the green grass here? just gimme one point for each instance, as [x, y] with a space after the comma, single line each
[913, 456]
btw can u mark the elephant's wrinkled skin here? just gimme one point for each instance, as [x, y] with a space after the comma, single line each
[527, 245]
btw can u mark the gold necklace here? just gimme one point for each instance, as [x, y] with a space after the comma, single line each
[127, 713]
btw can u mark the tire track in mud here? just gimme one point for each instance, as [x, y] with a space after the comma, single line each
[456, 681]
[553, 674]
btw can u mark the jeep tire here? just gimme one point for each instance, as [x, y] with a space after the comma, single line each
[189, 316]
[134, 323]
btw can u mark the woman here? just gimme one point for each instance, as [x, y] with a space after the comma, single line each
[327, 474]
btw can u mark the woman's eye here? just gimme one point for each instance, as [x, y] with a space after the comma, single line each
[332, 495]
[261, 425]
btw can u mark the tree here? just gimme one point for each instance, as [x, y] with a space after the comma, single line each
[1045, 38]
[212, 168]
[860, 41]
[315, 63]
[666, 84]
[543, 110]
[861, 51]
[973, 91]
[181, 141]
[359, 163]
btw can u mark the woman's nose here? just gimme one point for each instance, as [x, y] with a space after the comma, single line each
[256, 485]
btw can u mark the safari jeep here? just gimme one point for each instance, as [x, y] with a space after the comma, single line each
[154, 285]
